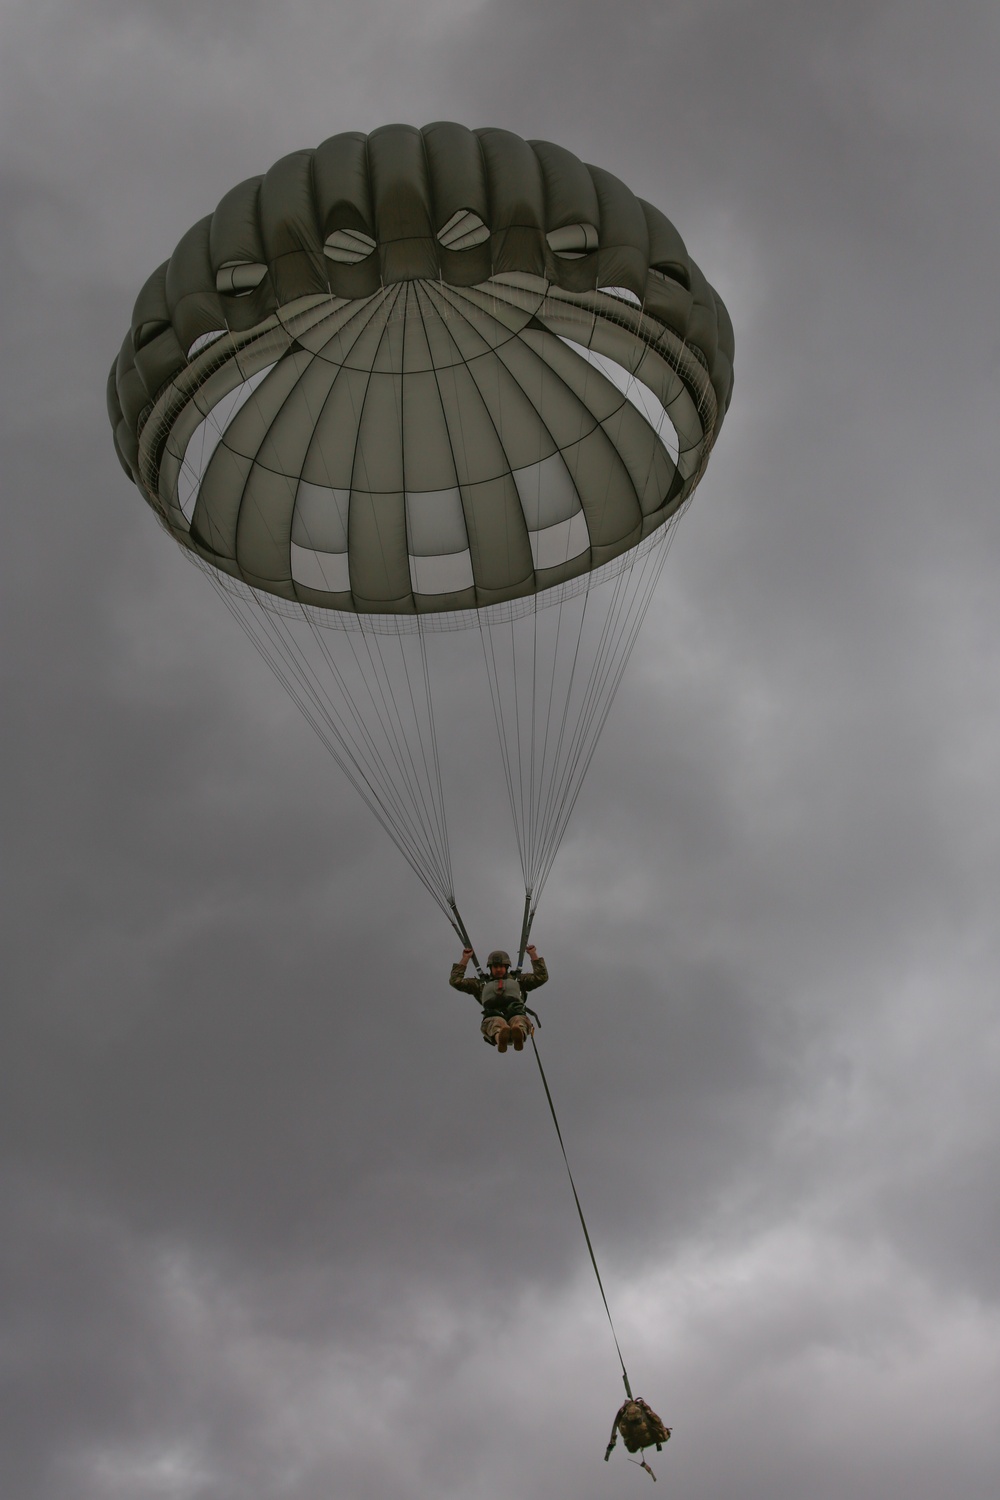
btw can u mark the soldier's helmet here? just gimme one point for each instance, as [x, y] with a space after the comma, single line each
[497, 959]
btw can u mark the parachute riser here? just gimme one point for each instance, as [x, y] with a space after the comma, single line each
[455, 918]
[462, 931]
[526, 921]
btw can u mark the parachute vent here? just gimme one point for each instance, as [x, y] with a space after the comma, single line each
[348, 246]
[238, 278]
[573, 241]
[203, 340]
[463, 230]
[671, 271]
[622, 293]
[146, 333]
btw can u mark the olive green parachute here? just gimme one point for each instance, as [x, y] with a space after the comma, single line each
[421, 380]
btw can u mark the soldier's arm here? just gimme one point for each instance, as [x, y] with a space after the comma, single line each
[458, 981]
[539, 972]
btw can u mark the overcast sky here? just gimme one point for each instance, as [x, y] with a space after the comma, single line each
[276, 1223]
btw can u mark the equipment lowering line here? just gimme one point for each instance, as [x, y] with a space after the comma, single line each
[583, 1222]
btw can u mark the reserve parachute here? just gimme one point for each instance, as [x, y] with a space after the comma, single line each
[423, 395]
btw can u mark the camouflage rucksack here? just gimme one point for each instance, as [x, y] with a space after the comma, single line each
[640, 1427]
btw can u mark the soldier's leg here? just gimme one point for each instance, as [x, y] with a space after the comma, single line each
[520, 1030]
[496, 1028]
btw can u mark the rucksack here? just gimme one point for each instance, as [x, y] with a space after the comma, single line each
[640, 1427]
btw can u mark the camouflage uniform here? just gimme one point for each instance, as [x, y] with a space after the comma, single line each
[499, 1005]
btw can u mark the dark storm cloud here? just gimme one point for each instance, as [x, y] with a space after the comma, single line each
[267, 1190]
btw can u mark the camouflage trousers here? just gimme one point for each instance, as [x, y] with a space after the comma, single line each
[493, 1024]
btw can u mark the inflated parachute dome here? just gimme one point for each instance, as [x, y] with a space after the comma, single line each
[422, 378]
[426, 320]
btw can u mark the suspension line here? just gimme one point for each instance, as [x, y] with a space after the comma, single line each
[583, 1222]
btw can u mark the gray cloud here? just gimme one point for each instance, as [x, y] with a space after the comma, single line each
[278, 1220]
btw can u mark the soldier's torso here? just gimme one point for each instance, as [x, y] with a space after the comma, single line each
[498, 994]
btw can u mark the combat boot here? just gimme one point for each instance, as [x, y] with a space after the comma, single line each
[503, 1038]
[518, 1032]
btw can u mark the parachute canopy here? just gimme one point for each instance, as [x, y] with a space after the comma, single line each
[417, 380]
[431, 325]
